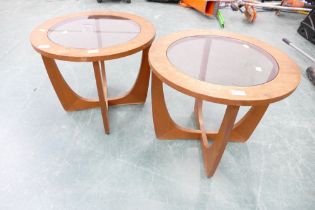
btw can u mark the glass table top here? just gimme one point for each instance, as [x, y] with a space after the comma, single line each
[222, 60]
[93, 32]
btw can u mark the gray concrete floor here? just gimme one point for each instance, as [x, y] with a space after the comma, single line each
[51, 159]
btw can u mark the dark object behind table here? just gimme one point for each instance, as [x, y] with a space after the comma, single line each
[307, 27]
[310, 72]
[312, 2]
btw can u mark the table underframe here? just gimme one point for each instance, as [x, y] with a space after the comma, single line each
[71, 101]
[229, 131]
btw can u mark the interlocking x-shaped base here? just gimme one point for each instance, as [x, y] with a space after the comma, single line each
[73, 102]
[166, 128]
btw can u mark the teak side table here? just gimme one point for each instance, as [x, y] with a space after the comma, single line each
[222, 68]
[94, 37]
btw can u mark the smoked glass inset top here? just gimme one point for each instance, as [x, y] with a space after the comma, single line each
[93, 32]
[222, 60]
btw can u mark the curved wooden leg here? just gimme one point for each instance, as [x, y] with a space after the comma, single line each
[72, 102]
[138, 93]
[100, 77]
[212, 154]
[165, 127]
[244, 128]
[200, 123]
[69, 100]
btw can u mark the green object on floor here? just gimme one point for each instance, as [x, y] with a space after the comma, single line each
[220, 19]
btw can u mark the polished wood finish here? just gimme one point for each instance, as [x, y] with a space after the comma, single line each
[258, 97]
[138, 93]
[73, 102]
[142, 41]
[67, 97]
[244, 128]
[101, 84]
[212, 153]
[282, 86]
[166, 128]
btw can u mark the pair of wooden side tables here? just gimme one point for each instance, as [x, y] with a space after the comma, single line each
[218, 67]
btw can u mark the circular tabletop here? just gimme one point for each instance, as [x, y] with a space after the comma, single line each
[224, 67]
[92, 36]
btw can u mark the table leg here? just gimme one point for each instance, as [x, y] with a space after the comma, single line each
[67, 97]
[138, 93]
[244, 128]
[73, 102]
[212, 154]
[164, 126]
[100, 77]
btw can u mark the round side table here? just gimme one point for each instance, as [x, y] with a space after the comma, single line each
[94, 37]
[223, 68]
